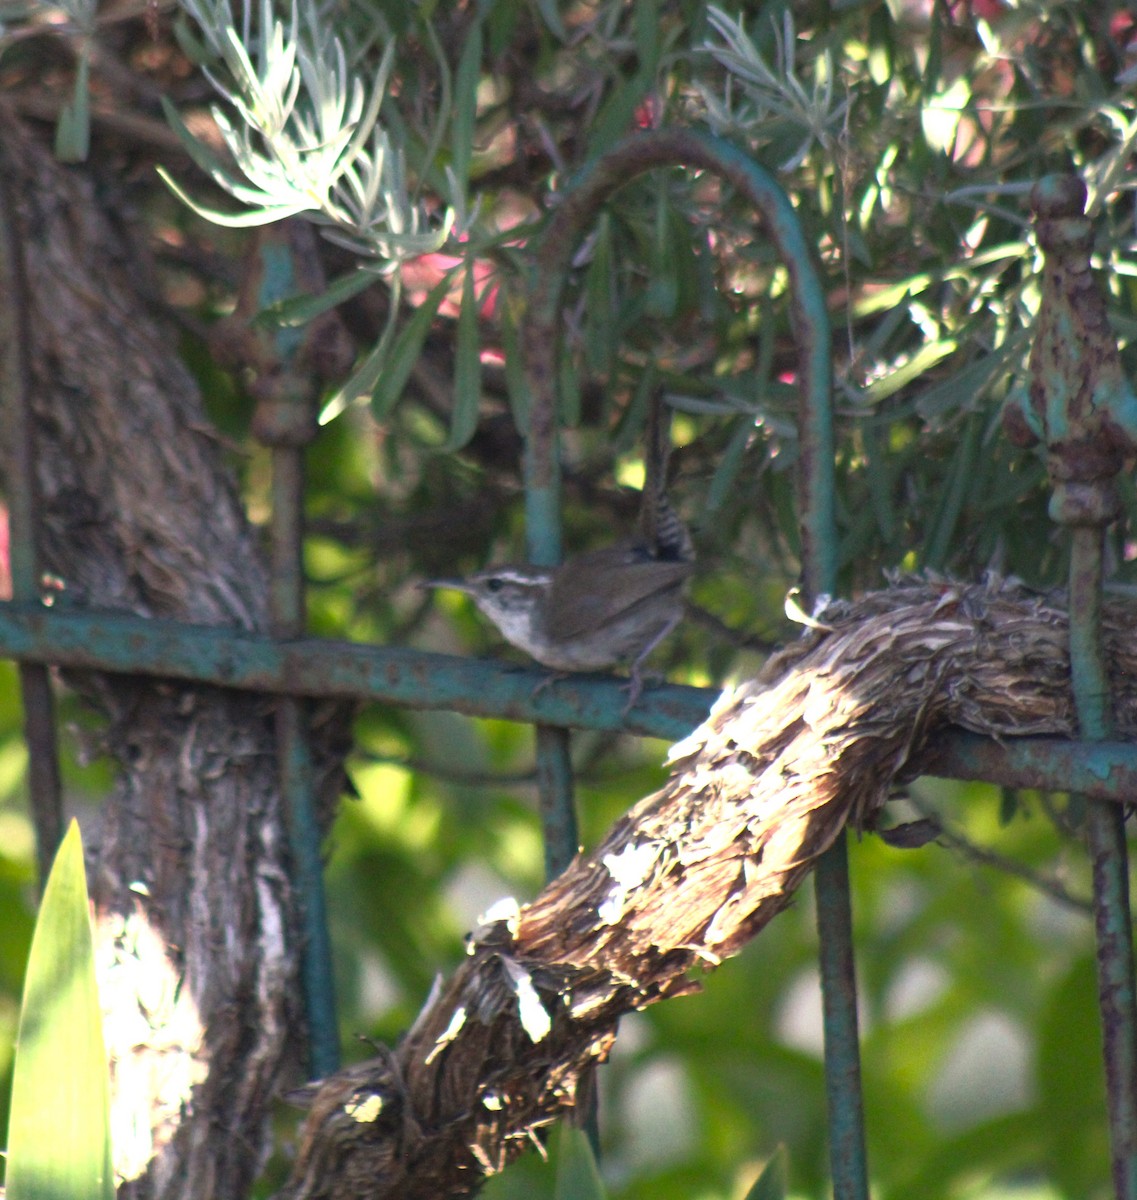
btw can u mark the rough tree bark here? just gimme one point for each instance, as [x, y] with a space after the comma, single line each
[136, 511]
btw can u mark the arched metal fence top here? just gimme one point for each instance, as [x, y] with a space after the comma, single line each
[578, 208]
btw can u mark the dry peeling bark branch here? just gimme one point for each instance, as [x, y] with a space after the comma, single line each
[691, 874]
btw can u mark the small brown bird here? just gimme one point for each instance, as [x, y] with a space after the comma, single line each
[603, 608]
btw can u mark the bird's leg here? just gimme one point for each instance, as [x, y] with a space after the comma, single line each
[635, 684]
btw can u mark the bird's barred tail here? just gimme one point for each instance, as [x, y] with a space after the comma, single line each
[664, 533]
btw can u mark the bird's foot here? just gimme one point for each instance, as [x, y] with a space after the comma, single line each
[548, 681]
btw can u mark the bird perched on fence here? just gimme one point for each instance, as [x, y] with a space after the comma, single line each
[605, 607]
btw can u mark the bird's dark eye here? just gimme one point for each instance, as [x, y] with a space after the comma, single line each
[495, 584]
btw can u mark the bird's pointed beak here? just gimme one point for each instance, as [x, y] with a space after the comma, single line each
[454, 585]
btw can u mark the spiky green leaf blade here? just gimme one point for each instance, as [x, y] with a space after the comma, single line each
[663, 286]
[59, 1129]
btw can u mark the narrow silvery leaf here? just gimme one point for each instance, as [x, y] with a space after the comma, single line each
[247, 220]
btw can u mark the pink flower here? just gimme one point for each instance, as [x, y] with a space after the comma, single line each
[420, 275]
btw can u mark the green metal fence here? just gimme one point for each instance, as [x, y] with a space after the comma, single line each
[1080, 405]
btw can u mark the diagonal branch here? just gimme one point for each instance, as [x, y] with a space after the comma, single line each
[692, 873]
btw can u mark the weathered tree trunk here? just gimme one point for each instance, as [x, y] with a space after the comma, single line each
[136, 511]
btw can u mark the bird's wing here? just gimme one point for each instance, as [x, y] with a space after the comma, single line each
[585, 597]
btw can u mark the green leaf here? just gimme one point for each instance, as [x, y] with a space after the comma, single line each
[648, 27]
[516, 384]
[466, 104]
[59, 1130]
[577, 1175]
[968, 383]
[663, 286]
[963, 479]
[570, 397]
[73, 133]
[600, 342]
[940, 118]
[722, 483]
[772, 1184]
[919, 364]
[467, 368]
[551, 15]
[362, 381]
[406, 350]
[299, 310]
[616, 117]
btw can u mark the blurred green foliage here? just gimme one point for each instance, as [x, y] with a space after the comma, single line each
[909, 147]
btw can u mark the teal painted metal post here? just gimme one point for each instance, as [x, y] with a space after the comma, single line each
[555, 791]
[556, 798]
[552, 743]
[285, 421]
[1082, 407]
[297, 777]
[44, 789]
[1105, 835]
[837, 966]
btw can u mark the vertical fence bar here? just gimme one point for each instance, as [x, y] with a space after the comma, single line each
[555, 798]
[837, 966]
[285, 421]
[297, 777]
[44, 788]
[1105, 835]
[1083, 408]
[552, 743]
[555, 792]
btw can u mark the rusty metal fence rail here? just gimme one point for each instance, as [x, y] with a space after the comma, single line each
[1079, 405]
